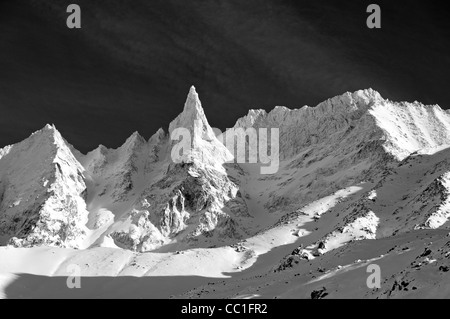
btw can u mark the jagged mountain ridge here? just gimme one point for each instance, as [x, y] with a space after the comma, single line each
[136, 198]
[347, 140]
[403, 127]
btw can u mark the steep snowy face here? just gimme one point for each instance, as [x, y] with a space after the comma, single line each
[331, 121]
[352, 118]
[42, 193]
[116, 169]
[322, 150]
[191, 128]
[193, 118]
[193, 201]
[192, 206]
[410, 127]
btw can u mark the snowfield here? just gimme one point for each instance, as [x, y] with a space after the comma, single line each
[362, 181]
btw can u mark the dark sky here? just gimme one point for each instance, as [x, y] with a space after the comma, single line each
[131, 65]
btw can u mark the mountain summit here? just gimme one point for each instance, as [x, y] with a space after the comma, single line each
[193, 118]
[205, 147]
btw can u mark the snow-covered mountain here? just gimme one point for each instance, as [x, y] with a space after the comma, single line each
[357, 175]
[42, 192]
[135, 197]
